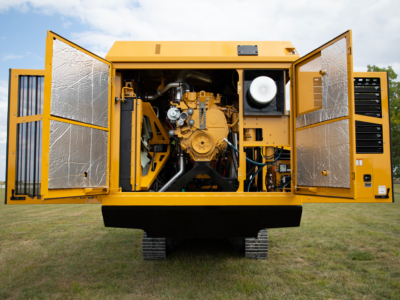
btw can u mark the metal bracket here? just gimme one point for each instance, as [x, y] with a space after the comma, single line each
[202, 115]
[247, 50]
[15, 198]
[383, 197]
[202, 168]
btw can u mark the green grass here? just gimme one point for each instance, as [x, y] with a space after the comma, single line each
[341, 251]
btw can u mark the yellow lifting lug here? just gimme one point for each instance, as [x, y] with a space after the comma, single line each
[322, 72]
[127, 91]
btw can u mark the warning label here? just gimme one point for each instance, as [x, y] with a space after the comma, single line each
[382, 190]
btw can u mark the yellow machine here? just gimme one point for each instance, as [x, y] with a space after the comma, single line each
[196, 139]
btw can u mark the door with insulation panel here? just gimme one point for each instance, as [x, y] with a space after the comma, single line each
[58, 128]
[326, 126]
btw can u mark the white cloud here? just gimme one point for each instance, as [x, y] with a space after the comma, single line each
[3, 91]
[67, 24]
[33, 55]
[16, 56]
[3, 110]
[307, 23]
[10, 56]
[3, 125]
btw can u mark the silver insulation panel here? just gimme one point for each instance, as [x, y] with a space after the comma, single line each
[78, 156]
[79, 87]
[334, 86]
[324, 147]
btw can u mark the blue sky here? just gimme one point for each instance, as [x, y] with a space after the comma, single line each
[95, 25]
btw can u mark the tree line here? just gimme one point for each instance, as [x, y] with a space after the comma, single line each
[394, 98]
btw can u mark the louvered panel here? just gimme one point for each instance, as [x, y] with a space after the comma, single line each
[367, 97]
[369, 137]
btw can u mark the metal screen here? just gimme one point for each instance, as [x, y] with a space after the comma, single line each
[30, 96]
[28, 168]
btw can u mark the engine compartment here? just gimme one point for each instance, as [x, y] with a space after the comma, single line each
[186, 135]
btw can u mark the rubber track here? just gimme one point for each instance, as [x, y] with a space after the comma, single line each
[257, 248]
[154, 248]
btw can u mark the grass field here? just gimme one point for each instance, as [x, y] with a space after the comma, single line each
[341, 251]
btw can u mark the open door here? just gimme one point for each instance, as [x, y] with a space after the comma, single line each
[59, 128]
[324, 147]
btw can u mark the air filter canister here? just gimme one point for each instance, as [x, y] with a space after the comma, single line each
[262, 91]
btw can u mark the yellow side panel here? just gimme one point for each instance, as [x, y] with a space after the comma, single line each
[378, 165]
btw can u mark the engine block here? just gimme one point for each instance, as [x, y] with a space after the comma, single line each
[201, 134]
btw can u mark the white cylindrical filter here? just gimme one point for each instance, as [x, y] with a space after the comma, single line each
[263, 90]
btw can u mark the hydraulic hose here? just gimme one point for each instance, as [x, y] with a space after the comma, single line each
[251, 171]
[248, 159]
[259, 170]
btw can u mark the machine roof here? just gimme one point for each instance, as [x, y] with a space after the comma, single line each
[167, 51]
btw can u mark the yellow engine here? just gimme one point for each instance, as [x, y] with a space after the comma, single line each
[202, 124]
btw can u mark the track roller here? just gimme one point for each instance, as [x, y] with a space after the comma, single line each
[257, 248]
[154, 248]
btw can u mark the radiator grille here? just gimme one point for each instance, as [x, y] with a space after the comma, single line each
[30, 96]
[368, 97]
[28, 167]
[369, 137]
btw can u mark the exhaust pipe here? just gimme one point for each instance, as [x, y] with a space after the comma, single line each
[186, 74]
[179, 85]
[177, 175]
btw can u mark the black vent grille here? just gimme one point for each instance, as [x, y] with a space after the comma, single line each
[368, 97]
[285, 154]
[369, 137]
[30, 98]
[28, 168]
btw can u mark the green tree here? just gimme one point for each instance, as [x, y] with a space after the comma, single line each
[394, 97]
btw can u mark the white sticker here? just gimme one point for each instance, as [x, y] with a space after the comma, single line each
[382, 190]
[360, 163]
[356, 162]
